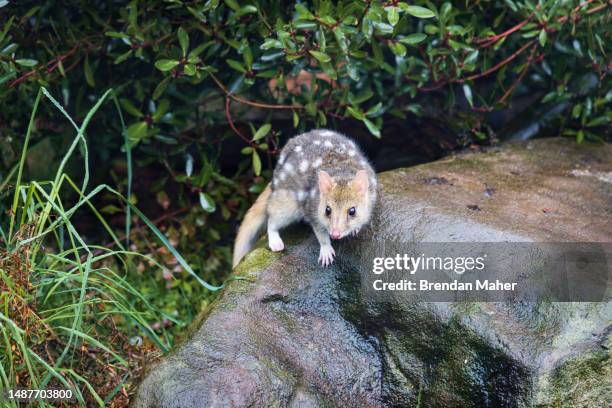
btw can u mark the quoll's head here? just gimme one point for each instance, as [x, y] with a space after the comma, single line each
[344, 206]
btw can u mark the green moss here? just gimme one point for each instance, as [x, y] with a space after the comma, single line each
[254, 262]
[583, 381]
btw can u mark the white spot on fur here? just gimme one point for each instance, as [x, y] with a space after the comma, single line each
[303, 166]
[298, 148]
[372, 181]
[363, 163]
[317, 142]
[313, 193]
[282, 176]
[328, 144]
[281, 159]
[327, 133]
[351, 153]
[288, 167]
[317, 163]
[300, 195]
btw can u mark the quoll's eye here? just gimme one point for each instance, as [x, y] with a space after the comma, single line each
[352, 211]
[327, 211]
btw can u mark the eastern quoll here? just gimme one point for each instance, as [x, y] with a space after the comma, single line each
[321, 177]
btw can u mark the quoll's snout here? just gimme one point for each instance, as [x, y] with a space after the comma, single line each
[335, 234]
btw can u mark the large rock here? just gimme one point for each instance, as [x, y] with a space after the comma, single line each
[295, 334]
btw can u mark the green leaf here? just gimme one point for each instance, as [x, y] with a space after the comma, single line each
[248, 9]
[123, 57]
[392, 15]
[183, 40]
[296, 119]
[233, 4]
[207, 203]
[110, 209]
[372, 127]
[341, 39]
[542, 37]
[321, 56]
[398, 49]
[197, 14]
[413, 39]
[199, 49]
[188, 165]
[256, 163]
[468, 94]
[471, 58]
[432, 29]
[445, 10]
[271, 43]
[25, 62]
[329, 70]
[356, 113]
[329, 20]
[161, 110]
[236, 65]
[598, 121]
[115, 34]
[383, 28]
[303, 12]
[375, 110]
[89, 78]
[262, 131]
[137, 131]
[247, 56]
[129, 107]
[166, 64]
[580, 136]
[419, 12]
[161, 88]
[190, 69]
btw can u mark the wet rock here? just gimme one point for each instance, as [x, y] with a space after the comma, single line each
[294, 334]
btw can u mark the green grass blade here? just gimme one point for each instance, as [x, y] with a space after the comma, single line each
[24, 152]
[128, 156]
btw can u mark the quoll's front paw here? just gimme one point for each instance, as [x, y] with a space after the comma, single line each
[276, 243]
[326, 255]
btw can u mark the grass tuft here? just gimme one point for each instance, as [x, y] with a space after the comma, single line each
[69, 315]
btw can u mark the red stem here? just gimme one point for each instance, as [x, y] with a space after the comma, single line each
[228, 115]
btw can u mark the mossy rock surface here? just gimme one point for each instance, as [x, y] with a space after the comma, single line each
[293, 334]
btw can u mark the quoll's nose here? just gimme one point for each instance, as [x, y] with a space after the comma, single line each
[335, 234]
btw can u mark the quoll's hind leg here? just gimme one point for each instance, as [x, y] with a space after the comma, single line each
[326, 251]
[282, 211]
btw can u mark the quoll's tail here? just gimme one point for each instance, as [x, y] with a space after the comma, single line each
[251, 226]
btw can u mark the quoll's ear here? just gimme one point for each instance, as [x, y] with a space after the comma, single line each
[326, 183]
[360, 182]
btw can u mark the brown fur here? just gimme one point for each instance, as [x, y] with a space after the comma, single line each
[315, 170]
[340, 198]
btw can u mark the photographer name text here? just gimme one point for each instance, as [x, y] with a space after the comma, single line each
[450, 265]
